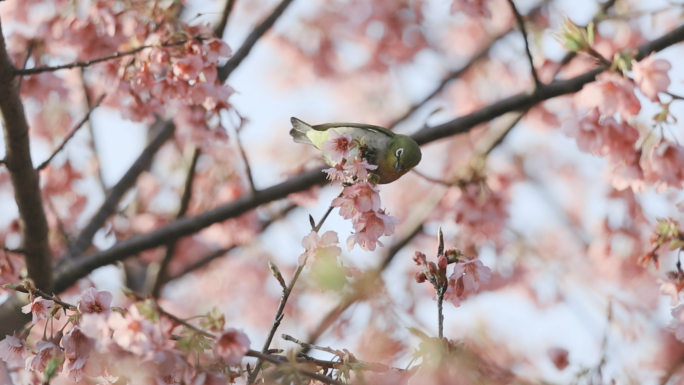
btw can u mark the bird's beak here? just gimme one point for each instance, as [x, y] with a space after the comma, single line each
[398, 167]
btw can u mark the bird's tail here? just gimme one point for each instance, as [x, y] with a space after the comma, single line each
[299, 130]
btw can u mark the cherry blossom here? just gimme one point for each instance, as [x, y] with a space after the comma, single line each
[76, 368]
[232, 346]
[466, 279]
[650, 75]
[324, 246]
[370, 226]
[359, 169]
[38, 308]
[337, 146]
[602, 136]
[76, 343]
[95, 302]
[677, 323]
[358, 198]
[13, 350]
[133, 332]
[472, 8]
[610, 94]
[664, 165]
[46, 350]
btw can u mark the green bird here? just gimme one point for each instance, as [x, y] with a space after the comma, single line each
[394, 154]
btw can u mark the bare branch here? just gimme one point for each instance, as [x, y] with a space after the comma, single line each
[221, 27]
[91, 130]
[163, 274]
[218, 253]
[117, 192]
[282, 360]
[29, 50]
[88, 63]
[248, 168]
[521, 25]
[259, 31]
[71, 134]
[25, 180]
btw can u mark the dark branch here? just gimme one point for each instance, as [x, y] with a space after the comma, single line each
[163, 274]
[29, 50]
[240, 55]
[117, 192]
[521, 25]
[25, 180]
[71, 134]
[223, 23]
[88, 63]
[218, 253]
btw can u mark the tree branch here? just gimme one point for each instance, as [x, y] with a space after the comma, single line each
[521, 25]
[141, 164]
[88, 63]
[259, 31]
[71, 134]
[25, 180]
[223, 23]
[163, 274]
[218, 253]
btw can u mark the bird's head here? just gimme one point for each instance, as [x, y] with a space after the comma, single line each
[403, 154]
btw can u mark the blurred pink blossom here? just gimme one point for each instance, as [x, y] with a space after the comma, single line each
[473, 8]
[466, 279]
[188, 68]
[650, 75]
[78, 367]
[134, 332]
[13, 350]
[77, 344]
[46, 350]
[38, 308]
[665, 165]
[316, 246]
[602, 136]
[337, 145]
[677, 323]
[611, 94]
[95, 302]
[232, 346]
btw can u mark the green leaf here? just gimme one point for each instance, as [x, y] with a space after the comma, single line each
[676, 244]
[590, 33]
[418, 333]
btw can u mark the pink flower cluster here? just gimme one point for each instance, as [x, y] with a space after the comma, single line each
[603, 136]
[482, 213]
[360, 201]
[131, 344]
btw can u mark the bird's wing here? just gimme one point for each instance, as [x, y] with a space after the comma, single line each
[379, 130]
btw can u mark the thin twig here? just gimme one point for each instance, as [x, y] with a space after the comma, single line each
[248, 168]
[441, 286]
[281, 306]
[88, 63]
[220, 29]
[91, 130]
[40, 293]
[303, 344]
[71, 134]
[218, 253]
[256, 34]
[521, 25]
[29, 50]
[163, 274]
[282, 360]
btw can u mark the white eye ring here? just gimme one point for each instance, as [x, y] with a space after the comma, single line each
[399, 152]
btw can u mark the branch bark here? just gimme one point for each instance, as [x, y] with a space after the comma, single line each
[117, 192]
[242, 52]
[25, 180]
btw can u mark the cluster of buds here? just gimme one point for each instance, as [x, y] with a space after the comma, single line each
[666, 232]
[468, 273]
